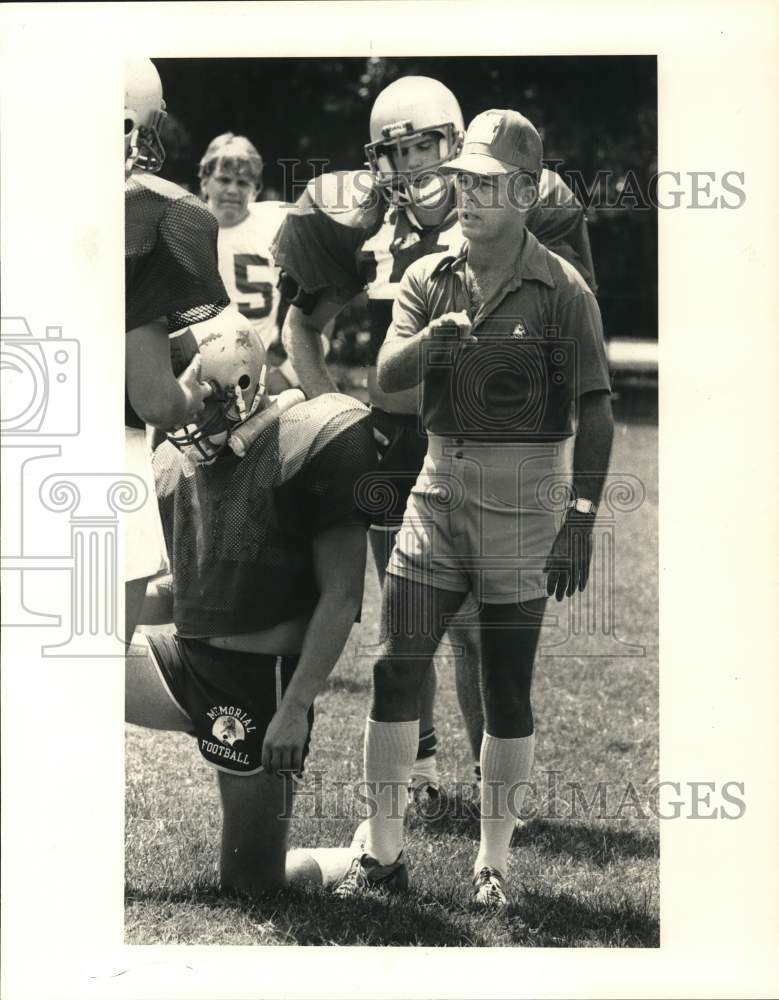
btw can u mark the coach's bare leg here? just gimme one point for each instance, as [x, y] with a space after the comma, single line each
[509, 637]
[467, 676]
[382, 543]
[256, 811]
[412, 617]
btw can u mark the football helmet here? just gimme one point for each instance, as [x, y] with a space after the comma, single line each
[412, 106]
[144, 113]
[232, 361]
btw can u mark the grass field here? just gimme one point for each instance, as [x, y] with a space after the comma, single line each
[585, 862]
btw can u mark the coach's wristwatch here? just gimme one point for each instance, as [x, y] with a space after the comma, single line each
[582, 506]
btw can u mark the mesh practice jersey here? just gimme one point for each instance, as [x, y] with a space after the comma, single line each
[170, 259]
[247, 268]
[240, 531]
[342, 237]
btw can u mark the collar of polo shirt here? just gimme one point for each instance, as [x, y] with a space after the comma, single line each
[530, 261]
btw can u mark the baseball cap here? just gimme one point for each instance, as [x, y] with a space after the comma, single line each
[499, 142]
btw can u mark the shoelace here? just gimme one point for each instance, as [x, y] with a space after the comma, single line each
[353, 879]
[489, 880]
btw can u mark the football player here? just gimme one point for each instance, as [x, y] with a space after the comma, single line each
[171, 281]
[268, 561]
[230, 181]
[361, 230]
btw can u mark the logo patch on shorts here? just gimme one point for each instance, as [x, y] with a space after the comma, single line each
[231, 724]
[228, 730]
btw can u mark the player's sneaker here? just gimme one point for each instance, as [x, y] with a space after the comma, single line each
[489, 889]
[366, 874]
[427, 799]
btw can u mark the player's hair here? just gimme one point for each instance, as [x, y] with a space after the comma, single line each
[231, 152]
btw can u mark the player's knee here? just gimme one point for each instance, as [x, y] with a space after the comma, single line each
[508, 713]
[392, 675]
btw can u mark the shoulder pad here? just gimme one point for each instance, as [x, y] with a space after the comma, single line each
[269, 213]
[166, 189]
[269, 207]
[305, 429]
[349, 197]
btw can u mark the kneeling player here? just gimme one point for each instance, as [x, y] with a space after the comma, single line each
[268, 560]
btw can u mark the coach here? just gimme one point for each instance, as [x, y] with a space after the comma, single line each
[506, 339]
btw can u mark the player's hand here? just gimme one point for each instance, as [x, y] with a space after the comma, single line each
[452, 324]
[568, 564]
[195, 392]
[285, 737]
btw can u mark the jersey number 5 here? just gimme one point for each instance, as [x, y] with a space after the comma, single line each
[265, 288]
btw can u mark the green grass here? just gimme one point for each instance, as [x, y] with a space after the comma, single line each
[582, 880]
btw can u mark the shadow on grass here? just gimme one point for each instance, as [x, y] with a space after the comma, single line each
[595, 844]
[316, 918]
[459, 815]
[550, 920]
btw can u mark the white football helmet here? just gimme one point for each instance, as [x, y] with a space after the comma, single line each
[144, 113]
[411, 106]
[232, 361]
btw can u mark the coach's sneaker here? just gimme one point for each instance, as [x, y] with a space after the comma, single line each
[489, 889]
[366, 873]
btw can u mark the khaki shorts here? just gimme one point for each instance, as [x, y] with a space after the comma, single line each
[482, 518]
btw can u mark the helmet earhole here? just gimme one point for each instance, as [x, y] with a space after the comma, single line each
[244, 382]
[129, 124]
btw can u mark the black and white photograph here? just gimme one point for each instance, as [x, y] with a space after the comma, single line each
[418, 621]
[357, 594]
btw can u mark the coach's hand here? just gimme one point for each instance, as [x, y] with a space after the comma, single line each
[285, 737]
[195, 392]
[452, 324]
[568, 564]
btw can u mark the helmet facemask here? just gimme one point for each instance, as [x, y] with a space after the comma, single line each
[423, 187]
[225, 409]
[145, 149]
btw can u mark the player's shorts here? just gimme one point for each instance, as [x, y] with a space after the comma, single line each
[482, 518]
[401, 443]
[229, 696]
[144, 542]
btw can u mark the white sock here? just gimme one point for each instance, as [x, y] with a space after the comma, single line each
[425, 770]
[504, 764]
[390, 750]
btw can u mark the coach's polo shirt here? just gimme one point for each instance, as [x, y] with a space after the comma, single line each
[539, 347]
